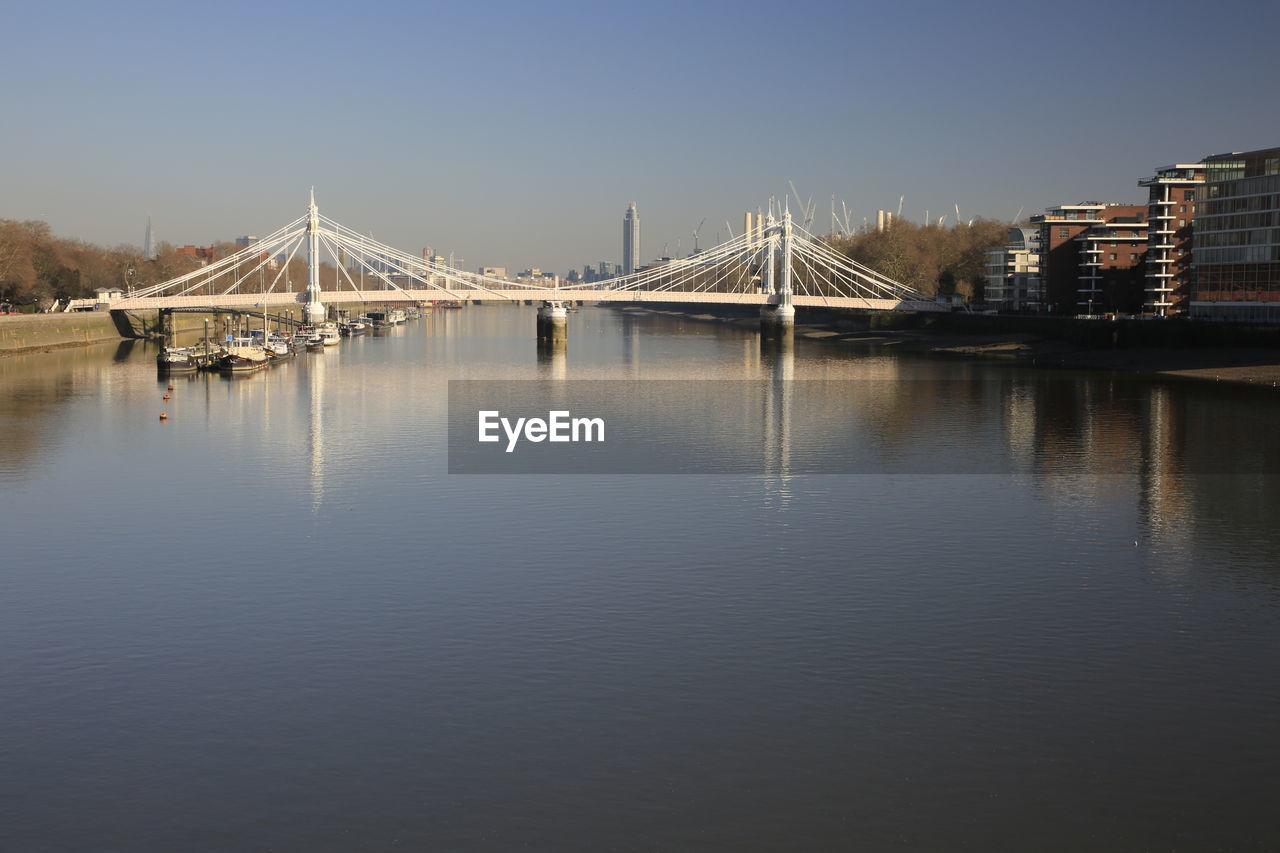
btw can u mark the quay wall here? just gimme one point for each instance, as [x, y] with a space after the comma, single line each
[35, 332]
[21, 333]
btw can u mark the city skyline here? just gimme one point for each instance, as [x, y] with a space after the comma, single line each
[504, 164]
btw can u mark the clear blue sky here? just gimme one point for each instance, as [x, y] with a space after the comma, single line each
[515, 134]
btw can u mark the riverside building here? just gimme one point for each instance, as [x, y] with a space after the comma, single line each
[1237, 239]
[1091, 259]
[1013, 272]
[1170, 213]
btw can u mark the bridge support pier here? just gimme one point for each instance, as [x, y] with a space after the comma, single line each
[164, 322]
[777, 321]
[314, 313]
[553, 322]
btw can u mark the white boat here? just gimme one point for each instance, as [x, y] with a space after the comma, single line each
[177, 359]
[242, 355]
[278, 348]
[329, 334]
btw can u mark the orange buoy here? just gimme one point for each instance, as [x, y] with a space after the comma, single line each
[165, 397]
[163, 416]
[170, 387]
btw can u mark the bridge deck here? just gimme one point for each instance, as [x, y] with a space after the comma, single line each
[251, 301]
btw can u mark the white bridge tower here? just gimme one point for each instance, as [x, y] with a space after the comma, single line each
[315, 311]
[778, 316]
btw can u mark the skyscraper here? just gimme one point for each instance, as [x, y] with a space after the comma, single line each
[630, 240]
[148, 243]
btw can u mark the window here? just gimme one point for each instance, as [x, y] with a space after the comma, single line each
[1062, 233]
[1190, 195]
[1182, 223]
[1113, 256]
[1182, 208]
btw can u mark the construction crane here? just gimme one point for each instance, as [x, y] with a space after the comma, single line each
[806, 207]
[695, 234]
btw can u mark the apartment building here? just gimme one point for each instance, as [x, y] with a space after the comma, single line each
[1013, 272]
[1236, 258]
[1170, 215]
[1091, 257]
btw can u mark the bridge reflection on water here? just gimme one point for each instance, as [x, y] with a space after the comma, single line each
[1199, 454]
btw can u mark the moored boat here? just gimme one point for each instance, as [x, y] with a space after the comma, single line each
[279, 349]
[177, 360]
[241, 356]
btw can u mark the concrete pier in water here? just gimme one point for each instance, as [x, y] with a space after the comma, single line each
[777, 321]
[553, 322]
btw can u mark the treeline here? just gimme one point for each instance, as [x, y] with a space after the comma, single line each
[929, 258]
[37, 268]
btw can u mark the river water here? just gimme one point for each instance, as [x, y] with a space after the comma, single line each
[276, 621]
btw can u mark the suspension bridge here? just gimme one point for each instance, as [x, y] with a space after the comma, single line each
[776, 266]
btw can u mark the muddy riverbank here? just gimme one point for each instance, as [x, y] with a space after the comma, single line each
[1114, 348]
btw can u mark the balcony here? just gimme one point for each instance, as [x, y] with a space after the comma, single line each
[1169, 179]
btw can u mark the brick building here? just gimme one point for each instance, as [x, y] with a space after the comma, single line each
[1092, 257]
[203, 254]
[1170, 213]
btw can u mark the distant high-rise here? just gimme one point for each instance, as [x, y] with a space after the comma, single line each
[631, 240]
[148, 244]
